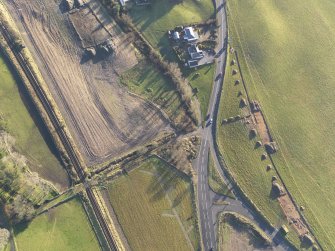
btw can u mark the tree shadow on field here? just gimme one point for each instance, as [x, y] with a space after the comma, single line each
[21, 227]
[163, 183]
[145, 13]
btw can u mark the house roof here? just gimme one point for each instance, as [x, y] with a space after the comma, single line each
[190, 34]
[192, 63]
[195, 53]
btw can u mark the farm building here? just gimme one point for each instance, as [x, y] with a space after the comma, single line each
[195, 52]
[190, 35]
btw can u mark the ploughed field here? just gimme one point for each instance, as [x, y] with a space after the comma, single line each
[287, 54]
[104, 119]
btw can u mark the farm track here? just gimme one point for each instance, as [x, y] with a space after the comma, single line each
[63, 137]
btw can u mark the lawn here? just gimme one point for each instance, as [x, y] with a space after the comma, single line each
[153, 204]
[19, 118]
[64, 228]
[288, 58]
[202, 79]
[156, 20]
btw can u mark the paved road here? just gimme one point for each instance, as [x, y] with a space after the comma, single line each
[206, 197]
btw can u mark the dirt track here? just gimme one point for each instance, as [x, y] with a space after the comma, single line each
[103, 117]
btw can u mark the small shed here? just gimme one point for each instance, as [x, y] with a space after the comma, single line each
[176, 35]
[192, 63]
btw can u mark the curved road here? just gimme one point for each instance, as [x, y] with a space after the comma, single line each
[206, 197]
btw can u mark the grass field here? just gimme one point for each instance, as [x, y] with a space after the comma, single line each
[148, 82]
[19, 118]
[63, 228]
[288, 59]
[153, 204]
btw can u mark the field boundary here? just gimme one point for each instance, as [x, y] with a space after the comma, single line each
[109, 221]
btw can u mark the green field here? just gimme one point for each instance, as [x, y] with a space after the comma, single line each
[19, 118]
[153, 204]
[287, 54]
[63, 228]
[148, 82]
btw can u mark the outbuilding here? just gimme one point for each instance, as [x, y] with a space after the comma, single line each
[176, 35]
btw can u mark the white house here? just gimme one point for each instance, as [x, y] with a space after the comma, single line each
[190, 35]
[123, 2]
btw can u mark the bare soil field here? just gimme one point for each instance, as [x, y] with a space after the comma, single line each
[104, 119]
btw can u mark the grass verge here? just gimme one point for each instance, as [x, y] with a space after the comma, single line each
[215, 181]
